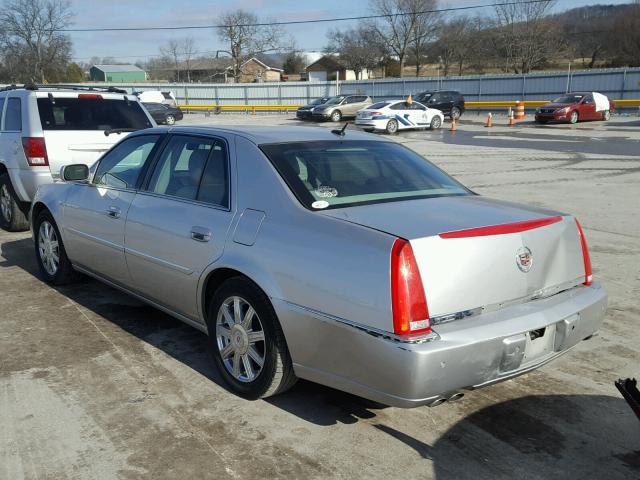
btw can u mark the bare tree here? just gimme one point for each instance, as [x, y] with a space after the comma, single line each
[356, 48]
[246, 39]
[188, 52]
[524, 37]
[456, 43]
[31, 40]
[406, 24]
[627, 35]
[172, 49]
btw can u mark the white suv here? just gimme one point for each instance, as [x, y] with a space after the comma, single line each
[43, 128]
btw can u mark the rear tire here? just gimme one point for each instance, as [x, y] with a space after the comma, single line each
[53, 262]
[606, 115]
[455, 113]
[12, 218]
[251, 355]
[392, 126]
[436, 123]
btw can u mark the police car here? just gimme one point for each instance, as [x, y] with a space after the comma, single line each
[394, 115]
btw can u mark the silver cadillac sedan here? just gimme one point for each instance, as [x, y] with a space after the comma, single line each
[348, 260]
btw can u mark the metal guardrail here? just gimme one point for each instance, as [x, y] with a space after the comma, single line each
[468, 105]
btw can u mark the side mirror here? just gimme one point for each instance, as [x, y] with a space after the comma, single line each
[75, 173]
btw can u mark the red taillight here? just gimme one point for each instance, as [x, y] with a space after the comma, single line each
[376, 114]
[588, 274]
[36, 151]
[410, 311]
[90, 96]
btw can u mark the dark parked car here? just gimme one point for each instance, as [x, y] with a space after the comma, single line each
[305, 112]
[574, 107]
[163, 114]
[449, 102]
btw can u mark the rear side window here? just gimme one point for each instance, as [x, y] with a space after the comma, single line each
[91, 114]
[13, 116]
[334, 174]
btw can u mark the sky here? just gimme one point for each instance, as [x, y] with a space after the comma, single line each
[135, 46]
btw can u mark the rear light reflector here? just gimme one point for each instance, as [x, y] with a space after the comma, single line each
[502, 229]
[588, 274]
[409, 304]
[90, 96]
[36, 151]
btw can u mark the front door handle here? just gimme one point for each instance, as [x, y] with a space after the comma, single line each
[114, 212]
[200, 234]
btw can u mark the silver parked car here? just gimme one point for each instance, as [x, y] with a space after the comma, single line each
[349, 260]
[339, 107]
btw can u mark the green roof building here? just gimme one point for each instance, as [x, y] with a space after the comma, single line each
[117, 73]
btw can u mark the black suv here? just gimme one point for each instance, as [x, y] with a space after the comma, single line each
[449, 102]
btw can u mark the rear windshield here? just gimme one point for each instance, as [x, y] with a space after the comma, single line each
[334, 174]
[91, 114]
[378, 105]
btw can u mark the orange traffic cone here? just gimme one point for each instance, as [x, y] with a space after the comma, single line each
[253, 110]
[454, 125]
[489, 123]
[512, 122]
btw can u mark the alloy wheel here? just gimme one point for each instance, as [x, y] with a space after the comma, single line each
[240, 339]
[49, 248]
[5, 203]
[436, 123]
[170, 120]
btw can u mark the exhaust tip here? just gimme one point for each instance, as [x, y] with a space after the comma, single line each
[438, 401]
[456, 396]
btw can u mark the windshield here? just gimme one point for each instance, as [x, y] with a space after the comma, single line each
[91, 114]
[334, 100]
[318, 101]
[568, 99]
[334, 174]
[423, 97]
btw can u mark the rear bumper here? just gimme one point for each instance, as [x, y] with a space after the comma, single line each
[370, 123]
[468, 354]
[26, 182]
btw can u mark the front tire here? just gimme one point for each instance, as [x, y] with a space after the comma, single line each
[12, 218]
[246, 341]
[392, 126]
[52, 259]
[436, 122]
[170, 120]
[573, 117]
[336, 116]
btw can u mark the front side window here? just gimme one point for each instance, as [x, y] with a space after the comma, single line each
[13, 115]
[334, 174]
[122, 165]
[192, 168]
[1, 107]
[93, 113]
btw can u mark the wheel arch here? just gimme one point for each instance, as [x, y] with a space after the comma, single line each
[3, 169]
[217, 276]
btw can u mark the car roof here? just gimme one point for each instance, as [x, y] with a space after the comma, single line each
[264, 135]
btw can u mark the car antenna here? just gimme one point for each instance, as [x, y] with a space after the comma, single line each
[340, 131]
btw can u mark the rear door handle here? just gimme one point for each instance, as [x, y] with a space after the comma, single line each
[200, 234]
[114, 212]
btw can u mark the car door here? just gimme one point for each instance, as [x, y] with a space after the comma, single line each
[587, 108]
[94, 213]
[178, 222]
[349, 107]
[418, 113]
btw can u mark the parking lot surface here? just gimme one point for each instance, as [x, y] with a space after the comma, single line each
[94, 384]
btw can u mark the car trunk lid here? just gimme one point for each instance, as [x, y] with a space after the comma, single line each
[525, 253]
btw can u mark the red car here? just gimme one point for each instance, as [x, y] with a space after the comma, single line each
[574, 107]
